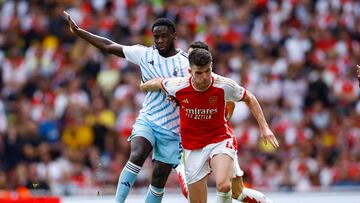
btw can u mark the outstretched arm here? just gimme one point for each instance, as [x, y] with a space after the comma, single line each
[152, 85]
[100, 42]
[254, 106]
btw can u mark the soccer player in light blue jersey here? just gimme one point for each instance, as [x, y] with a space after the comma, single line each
[157, 126]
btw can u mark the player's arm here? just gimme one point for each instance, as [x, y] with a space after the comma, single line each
[152, 85]
[230, 105]
[102, 43]
[256, 110]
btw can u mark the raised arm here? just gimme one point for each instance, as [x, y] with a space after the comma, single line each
[254, 106]
[152, 85]
[100, 42]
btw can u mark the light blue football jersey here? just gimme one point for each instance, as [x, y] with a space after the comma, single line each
[156, 108]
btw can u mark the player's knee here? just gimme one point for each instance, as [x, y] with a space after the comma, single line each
[138, 156]
[140, 149]
[223, 186]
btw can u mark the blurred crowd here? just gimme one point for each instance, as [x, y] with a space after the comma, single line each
[66, 108]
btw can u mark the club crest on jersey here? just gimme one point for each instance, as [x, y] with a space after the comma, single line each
[176, 70]
[212, 100]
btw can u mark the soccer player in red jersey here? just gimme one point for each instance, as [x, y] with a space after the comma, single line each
[206, 137]
[239, 191]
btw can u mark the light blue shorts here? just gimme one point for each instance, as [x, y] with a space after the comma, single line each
[166, 144]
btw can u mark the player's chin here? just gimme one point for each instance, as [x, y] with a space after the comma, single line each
[162, 50]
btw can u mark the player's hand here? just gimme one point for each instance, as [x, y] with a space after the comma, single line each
[268, 136]
[73, 26]
[173, 100]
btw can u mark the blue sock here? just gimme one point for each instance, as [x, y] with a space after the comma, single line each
[126, 181]
[154, 195]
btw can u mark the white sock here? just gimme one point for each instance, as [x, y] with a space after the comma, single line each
[252, 196]
[223, 197]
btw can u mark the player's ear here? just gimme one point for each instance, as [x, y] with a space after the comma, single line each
[189, 70]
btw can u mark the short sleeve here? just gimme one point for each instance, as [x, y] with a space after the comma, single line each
[166, 85]
[173, 85]
[134, 53]
[239, 93]
[233, 91]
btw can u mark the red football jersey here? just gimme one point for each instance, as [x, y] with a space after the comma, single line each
[202, 113]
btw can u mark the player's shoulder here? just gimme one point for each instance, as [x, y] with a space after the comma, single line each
[223, 81]
[141, 47]
[183, 54]
[177, 82]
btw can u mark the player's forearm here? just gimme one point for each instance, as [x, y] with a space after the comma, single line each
[256, 110]
[101, 43]
[151, 85]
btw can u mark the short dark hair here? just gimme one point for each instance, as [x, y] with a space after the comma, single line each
[199, 45]
[164, 22]
[199, 57]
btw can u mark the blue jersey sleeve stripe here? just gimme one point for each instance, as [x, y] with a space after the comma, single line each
[184, 54]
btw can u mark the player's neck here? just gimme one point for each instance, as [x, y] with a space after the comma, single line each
[199, 87]
[172, 52]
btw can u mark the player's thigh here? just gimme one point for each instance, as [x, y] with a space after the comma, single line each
[222, 164]
[142, 140]
[222, 167]
[167, 148]
[143, 128]
[196, 163]
[198, 191]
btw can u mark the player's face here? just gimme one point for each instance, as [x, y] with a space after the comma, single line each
[201, 76]
[164, 40]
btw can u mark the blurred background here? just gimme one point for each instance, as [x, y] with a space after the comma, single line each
[66, 108]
